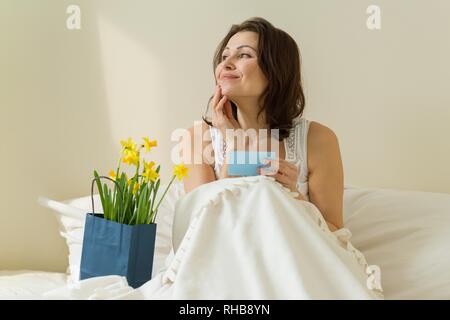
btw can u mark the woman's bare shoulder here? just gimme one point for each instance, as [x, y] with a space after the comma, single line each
[318, 131]
[201, 132]
[319, 137]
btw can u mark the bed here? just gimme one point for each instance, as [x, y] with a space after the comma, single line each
[405, 233]
[29, 284]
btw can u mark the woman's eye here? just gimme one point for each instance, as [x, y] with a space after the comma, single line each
[242, 54]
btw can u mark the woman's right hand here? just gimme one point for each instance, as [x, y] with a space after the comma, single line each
[222, 114]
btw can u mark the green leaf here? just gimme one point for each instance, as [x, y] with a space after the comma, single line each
[106, 209]
[140, 209]
[128, 196]
[155, 192]
[160, 200]
[146, 203]
[121, 203]
[99, 187]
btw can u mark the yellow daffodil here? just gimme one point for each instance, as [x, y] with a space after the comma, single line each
[180, 171]
[112, 175]
[150, 174]
[136, 187]
[128, 145]
[131, 157]
[149, 165]
[149, 144]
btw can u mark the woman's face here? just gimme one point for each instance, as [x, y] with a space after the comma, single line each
[239, 59]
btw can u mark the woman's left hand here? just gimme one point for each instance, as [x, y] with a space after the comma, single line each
[283, 171]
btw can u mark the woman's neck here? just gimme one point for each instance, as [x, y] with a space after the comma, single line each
[250, 120]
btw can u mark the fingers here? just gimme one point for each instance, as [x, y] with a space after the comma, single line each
[270, 167]
[284, 180]
[218, 102]
[283, 166]
[220, 106]
[214, 102]
[220, 115]
[217, 106]
[222, 111]
[216, 96]
[288, 168]
[280, 177]
[283, 171]
[228, 111]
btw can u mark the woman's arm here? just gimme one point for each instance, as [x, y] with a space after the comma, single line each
[326, 176]
[331, 226]
[199, 173]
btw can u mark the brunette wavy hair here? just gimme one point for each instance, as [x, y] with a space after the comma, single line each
[279, 59]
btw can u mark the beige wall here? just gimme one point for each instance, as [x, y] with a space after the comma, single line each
[144, 68]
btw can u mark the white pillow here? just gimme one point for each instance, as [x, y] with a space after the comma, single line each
[405, 233]
[71, 216]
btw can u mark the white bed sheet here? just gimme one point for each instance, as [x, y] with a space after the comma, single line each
[29, 284]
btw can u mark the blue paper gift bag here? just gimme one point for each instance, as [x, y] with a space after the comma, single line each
[111, 248]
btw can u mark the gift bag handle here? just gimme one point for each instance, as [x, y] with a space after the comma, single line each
[92, 189]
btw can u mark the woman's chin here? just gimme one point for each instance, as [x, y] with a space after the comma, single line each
[226, 86]
[230, 93]
[230, 96]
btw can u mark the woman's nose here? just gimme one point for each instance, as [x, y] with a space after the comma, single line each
[230, 67]
[228, 61]
[229, 64]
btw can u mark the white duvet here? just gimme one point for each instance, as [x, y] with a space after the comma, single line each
[247, 238]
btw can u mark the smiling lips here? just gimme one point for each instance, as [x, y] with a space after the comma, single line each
[229, 77]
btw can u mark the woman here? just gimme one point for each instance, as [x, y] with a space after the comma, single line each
[257, 71]
[243, 238]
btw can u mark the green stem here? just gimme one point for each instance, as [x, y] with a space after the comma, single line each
[115, 209]
[162, 197]
[136, 180]
[153, 189]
